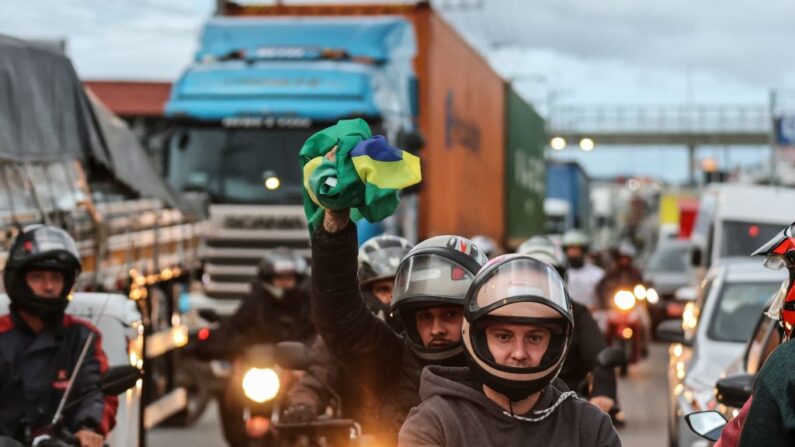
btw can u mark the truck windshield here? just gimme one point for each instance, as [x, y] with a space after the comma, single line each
[742, 238]
[245, 166]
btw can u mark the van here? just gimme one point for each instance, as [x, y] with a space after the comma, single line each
[735, 219]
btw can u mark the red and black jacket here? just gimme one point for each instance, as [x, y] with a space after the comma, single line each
[35, 369]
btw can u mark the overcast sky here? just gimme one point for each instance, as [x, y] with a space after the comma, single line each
[616, 51]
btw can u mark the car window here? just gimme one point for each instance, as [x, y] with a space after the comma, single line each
[738, 308]
[757, 345]
[669, 259]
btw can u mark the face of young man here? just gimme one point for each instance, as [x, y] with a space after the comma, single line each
[45, 283]
[517, 345]
[439, 326]
[286, 281]
[382, 289]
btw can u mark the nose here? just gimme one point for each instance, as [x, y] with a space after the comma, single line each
[519, 354]
[438, 328]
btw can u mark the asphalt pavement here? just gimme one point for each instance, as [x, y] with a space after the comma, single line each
[642, 394]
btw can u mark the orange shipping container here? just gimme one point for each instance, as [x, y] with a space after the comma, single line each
[462, 116]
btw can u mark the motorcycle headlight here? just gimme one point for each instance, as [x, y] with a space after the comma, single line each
[261, 385]
[652, 296]
[640, 292]
[624, 300]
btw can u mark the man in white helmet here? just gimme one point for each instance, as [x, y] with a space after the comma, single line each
[517, 330]
[583, 276]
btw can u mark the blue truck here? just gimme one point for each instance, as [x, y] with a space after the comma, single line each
[256, 90]
[568, 201]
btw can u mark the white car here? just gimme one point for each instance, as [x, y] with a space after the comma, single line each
[121, 342]
[716, 327]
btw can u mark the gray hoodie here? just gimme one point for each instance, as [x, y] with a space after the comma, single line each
[455, 412]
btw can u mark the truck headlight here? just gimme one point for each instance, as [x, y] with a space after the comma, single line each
[624, 300]
[260, 385]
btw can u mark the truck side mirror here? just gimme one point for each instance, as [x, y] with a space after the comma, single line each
[671, 331]
[696, 256]
[734, 390]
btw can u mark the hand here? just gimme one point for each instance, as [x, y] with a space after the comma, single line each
[88, 438]
[298, 414]
[603, 402]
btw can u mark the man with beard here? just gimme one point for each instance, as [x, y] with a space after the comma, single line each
[430, 286]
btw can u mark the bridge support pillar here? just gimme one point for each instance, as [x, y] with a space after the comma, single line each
[691, 164]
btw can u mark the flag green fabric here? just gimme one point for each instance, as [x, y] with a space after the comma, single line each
[365, 176]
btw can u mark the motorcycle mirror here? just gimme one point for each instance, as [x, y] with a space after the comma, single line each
[293, 355]
[707, 424]
[671, 331]
[210, 315]
[734, 390]
[119, 379]
[612, 357]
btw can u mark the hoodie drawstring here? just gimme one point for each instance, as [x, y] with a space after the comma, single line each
[542, 414]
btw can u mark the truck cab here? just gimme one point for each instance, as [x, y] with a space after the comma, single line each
[257, 89]
[735, 219]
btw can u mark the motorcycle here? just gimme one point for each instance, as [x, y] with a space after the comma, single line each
[115, 381]
[626, 324]
[328, 430]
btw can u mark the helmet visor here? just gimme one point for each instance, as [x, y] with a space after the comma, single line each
[46, 239]
[430, 277]
[520, 280]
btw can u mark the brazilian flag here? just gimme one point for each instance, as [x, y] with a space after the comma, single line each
[365, 175]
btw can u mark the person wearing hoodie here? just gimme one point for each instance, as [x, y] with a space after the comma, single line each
[428, 297]
[379, 258]
[517, 329]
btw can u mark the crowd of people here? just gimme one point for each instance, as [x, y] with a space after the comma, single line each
[433, 344]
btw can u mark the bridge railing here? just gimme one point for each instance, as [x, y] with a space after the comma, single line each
[673, 119]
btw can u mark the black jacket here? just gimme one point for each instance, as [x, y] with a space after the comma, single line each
[367, 347]
[587, 344]
[771, 418]
[456, 412]
[35, 369]
[261, 318]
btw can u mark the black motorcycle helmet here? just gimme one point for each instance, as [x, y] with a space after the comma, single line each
[436, 272]
[41, 247]
[379, 259]
[517, 289]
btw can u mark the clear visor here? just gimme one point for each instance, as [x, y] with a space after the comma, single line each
[431, 275]
[521, 280]
[48, 239]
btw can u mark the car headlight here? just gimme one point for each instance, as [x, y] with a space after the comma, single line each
[624, 300]
[260, 385]
[640, 292]
[652, 296]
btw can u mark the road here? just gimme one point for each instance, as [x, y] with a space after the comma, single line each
[642, 395]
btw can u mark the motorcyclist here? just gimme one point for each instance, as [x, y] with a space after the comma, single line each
[517, 331]
[40, 344]
[430, 285]
[770, 420]
[588, 341]
[583, 275]
[277, 309]
[379, 258]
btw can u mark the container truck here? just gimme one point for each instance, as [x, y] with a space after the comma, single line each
[65, 160]
[568, 200]
[474, 126]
